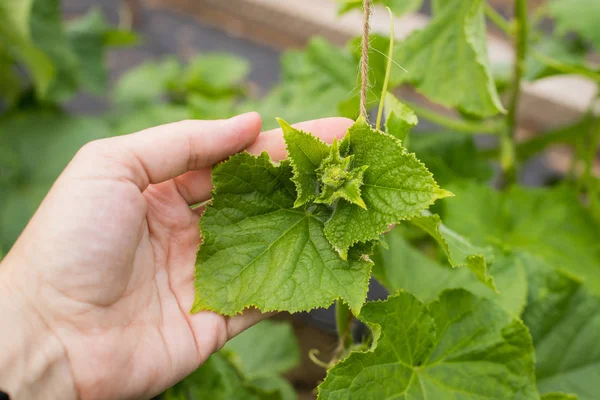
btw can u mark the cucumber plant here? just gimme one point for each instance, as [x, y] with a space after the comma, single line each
[494, 290]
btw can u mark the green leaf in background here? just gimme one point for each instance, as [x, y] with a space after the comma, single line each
[41, 144]
[459, 250]
[399, 265]
[15, 34]
[458, 347]
[48, 34]
[396, 187]
[89, 36]
[570, 54]
[564, 321]
[399, 119]
[146, 83]
[216, 74]
[268, 348]
[550, 223]
[319, 82]
[559, 396]
[398, 7]
[10, 81]
[260, 251]
[448, 56]
[218, 379]
[450, 156]
[579, 16]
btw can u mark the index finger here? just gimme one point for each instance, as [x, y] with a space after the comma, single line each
[325, 129]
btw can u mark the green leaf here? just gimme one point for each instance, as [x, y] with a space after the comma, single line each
[218, 379]
[10, 81]
[459, 250]
[399, 119]
[564, 320]
[559, 396]
[448, 56]
[48, 34]
[88, 37]
[579, 16]
[550, 223]
[398, 7]
[216, 74]
[41, 144]
[146, 83]
[260, 251]
[267, 349]
[450, 156]
[458, 347]
[396, 187]
[402, 266]
[306, 153]
[203, 107]
[16, 35]
[559, 50]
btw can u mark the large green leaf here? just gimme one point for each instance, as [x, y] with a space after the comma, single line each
[218, 379]
[549, 223]
[398, 7]
[267, 349]
[459, 347]
[580, 16]
[16, 36]
[450, 156]
[396, 187]
[447, 61]
[259, 250]
[459, 250]
[399, 265]
[564, 320]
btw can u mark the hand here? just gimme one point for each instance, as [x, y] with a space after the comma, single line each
[96, 293]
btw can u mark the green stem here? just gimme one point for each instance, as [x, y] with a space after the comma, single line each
[498, 19]
[507, 142]
[343, 319]
[453, 123]
[388, 71]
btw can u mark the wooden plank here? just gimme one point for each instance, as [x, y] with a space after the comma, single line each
[290, 23]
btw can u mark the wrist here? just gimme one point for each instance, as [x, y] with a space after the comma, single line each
[33, 361]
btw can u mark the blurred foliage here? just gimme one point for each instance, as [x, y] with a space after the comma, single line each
[249, 367]
[547, 260]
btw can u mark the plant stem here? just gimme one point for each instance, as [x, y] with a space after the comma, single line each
[364, 61]
[507, 143]
[343, 319]
[453, 123]
[498, 19]
[388, 71]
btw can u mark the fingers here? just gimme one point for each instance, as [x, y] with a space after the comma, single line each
[195, 186]
[326, 129]
[165, 152]
[240, 323]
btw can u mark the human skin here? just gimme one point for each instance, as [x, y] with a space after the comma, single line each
[95, 294]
